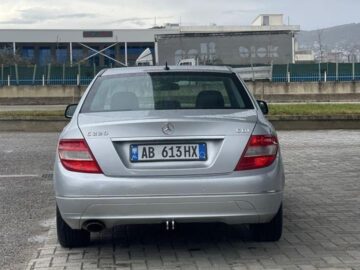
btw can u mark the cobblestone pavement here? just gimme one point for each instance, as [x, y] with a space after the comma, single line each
[322, 223]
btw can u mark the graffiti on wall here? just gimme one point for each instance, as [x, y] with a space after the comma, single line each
[238, 50]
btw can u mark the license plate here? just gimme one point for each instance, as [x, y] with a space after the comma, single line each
[168, 152]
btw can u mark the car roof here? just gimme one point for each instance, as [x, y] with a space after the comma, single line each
[146, 69]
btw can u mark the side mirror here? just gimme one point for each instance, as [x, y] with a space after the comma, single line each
[263, 106]
[70, 110]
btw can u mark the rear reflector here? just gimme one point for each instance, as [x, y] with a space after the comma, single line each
[260, 152]
[75, 155]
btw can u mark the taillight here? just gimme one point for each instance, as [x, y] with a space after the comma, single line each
[75, 155]
[260, 152]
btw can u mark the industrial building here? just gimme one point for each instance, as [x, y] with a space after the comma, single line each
[266, 40]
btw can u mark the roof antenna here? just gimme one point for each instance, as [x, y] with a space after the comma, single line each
[166, 66]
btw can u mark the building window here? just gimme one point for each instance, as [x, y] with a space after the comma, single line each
[110, 52]
[77, 54]
[28, 53]
[61, 55]
[94, 60]
[44, 56]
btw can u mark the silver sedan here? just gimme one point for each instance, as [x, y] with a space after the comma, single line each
[167, 145]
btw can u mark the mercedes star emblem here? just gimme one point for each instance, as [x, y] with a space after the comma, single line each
[168, 129]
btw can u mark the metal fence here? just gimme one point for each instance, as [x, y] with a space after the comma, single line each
[82, 75]
[324, 72]
[47, 75]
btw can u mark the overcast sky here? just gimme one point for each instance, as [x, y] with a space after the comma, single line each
[310, 14]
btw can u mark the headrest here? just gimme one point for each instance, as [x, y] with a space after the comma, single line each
[124, 101]
[210, 100]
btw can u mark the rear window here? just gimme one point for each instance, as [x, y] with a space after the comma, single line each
[166, 91]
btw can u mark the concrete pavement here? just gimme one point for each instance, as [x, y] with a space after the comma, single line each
[26, 201]
[322, 216]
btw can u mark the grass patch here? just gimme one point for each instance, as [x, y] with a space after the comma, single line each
[314, 109]
[31, 113]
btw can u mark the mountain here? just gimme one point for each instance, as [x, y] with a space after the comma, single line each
[343, 37]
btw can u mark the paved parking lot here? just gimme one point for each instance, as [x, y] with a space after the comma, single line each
[322, 222]
[26, 200]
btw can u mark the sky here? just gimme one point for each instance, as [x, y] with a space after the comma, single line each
[107, 14]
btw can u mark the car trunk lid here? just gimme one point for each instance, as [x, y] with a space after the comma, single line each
[110, 136]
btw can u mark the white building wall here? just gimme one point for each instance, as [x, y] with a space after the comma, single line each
[273, 20]
[257, 21]
[62, 36]
[276, 20]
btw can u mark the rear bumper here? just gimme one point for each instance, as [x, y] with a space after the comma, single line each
[235, 198]
[230, 209]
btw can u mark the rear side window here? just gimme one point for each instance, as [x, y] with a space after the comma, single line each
[167, 91]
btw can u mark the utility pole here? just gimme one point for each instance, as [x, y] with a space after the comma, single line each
[320, 33]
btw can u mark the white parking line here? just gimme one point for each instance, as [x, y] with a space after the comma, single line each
[19, 175]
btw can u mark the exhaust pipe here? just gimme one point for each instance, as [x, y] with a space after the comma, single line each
[94, 226]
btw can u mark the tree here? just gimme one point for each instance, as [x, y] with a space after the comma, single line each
[7, 57]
